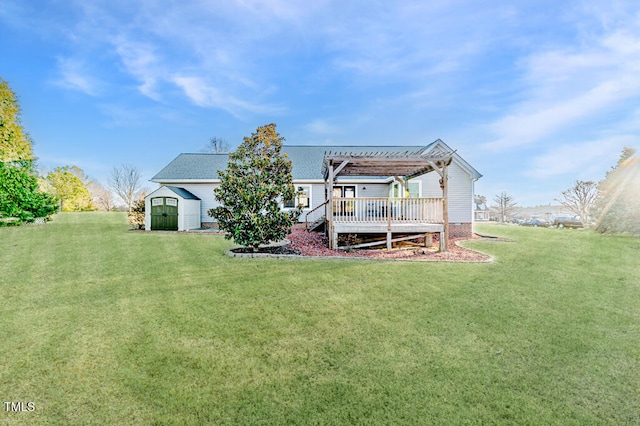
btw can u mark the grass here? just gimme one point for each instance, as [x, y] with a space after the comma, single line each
[100, 325]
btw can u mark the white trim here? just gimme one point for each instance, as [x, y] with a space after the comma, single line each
[473, 173]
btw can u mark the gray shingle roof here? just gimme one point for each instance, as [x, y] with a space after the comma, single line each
[192, 167]
[182, 193]
[306, 161]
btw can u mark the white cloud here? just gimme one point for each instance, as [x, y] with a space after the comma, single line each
[75, 76]
[206, 95]
[586, 160]
[538, 121]
[140, 60]
[567, 87]
[321, 127]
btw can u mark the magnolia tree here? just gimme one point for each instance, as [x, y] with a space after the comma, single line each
[256, 181]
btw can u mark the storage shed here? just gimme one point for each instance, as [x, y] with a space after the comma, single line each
[171, 208]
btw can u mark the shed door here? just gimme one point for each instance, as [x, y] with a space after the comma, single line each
[164, 214]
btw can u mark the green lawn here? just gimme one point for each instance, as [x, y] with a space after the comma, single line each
[100, 325]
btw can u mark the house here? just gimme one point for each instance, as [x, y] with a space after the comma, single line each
[481, 212]
[354, 189]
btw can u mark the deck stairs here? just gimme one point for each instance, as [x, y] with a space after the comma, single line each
[317, 225]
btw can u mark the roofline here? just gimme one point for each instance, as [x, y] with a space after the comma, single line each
[314, 146]
[368, 179]
[468, 167]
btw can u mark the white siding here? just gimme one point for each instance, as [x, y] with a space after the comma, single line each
[374, 190]
[204, 191]
[460, 195]
[460, 192]
[191, 214]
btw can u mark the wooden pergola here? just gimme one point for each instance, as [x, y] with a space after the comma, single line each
[402, 167]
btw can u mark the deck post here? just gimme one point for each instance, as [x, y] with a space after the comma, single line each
[389, 234]
[333, 240]
[445, 209]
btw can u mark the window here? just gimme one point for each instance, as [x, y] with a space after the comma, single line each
[414, 189]
[411, 190]
[303, 199]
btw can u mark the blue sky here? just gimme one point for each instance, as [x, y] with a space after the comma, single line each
[534, 94]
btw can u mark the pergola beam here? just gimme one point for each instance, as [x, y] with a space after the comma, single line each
[407, 164]
[340, 167]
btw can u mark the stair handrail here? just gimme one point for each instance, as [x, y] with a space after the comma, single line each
[306, 216]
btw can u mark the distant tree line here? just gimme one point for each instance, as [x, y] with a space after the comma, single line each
[25, 195]
[609, 206]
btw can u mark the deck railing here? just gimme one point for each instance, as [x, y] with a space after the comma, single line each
[315, 214]
[367, 210]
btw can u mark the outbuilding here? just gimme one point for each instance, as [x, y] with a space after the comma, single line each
[171, 208]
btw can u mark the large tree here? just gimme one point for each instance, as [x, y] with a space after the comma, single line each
[252, 188]
[15, 143]
[579, 199]
[125, 183]
[70, 185]
[618, 204]
[505, 206]
[20, 195]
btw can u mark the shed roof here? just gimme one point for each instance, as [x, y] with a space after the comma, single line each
[182, 193]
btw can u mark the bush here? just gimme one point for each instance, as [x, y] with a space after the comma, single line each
[19, 193]
[136, 215]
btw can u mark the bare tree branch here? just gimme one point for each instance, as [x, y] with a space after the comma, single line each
[505, 206]
[217, 145]
[580, 198]
[102, 197]
[125, 183]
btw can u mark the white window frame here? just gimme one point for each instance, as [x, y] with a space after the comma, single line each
[403, 190]
[297, 199]
[419, 182]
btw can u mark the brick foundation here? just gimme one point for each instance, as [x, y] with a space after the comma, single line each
[458, 230]
[209, 225]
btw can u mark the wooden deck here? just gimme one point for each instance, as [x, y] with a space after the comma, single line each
[385, 216]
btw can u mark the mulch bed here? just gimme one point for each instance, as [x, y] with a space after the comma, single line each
[316, 244]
